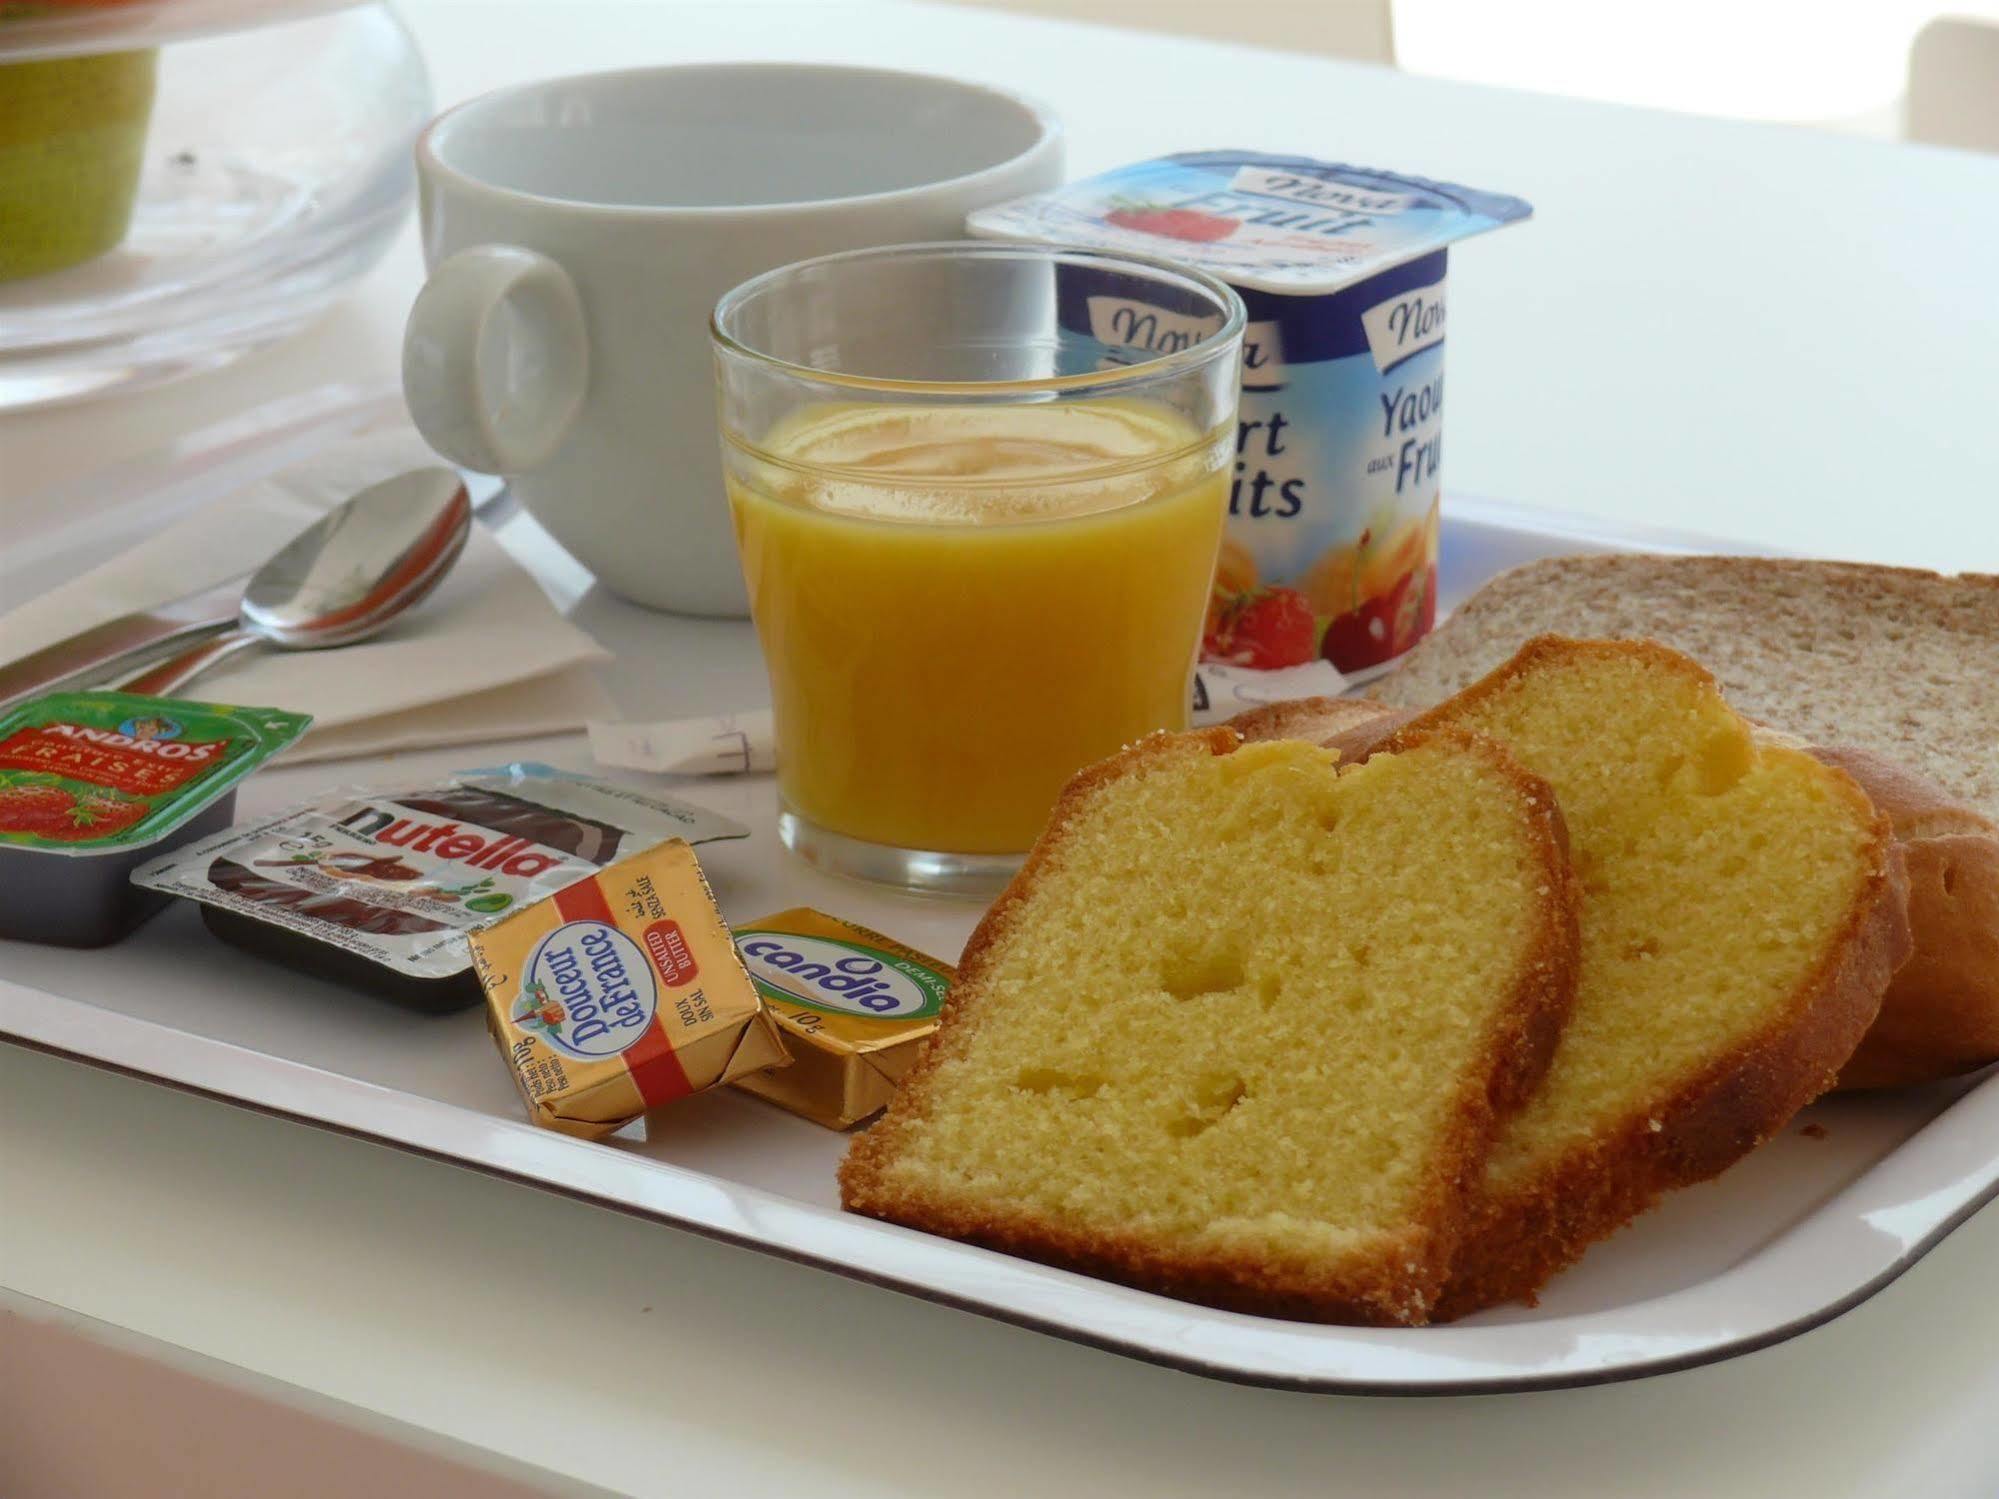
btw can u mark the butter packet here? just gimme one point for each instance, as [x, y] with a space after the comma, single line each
[621, 993]
[855, 1008]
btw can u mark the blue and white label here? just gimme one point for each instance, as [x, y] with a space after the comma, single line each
[587, 990]
[155, 727]
[1407, 323]
[841, 977]
[1324, 192]
[1339, 447]
[1128, 323]
[1263, 355]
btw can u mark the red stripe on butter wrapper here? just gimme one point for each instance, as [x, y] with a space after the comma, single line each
[656, 1071]
[584, 901]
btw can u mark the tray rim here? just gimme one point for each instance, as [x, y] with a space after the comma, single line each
[732, 1212]
[1230, 1346]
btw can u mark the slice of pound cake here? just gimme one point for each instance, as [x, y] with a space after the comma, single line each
[1743, 911]
[1242, 1028]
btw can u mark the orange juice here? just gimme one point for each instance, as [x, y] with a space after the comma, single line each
[961, 606]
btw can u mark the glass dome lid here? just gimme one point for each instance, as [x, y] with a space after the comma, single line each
[33, 29]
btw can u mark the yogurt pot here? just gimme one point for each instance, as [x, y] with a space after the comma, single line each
[1331, 551]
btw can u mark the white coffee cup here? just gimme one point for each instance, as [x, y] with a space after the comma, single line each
[579, 233]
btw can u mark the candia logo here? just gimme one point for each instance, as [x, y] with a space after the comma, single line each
[587, 990]
[841, 977]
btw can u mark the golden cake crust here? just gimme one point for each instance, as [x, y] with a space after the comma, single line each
[1513, 1245]
[1940, 1016]
[1745, 1094]
[1397, 1287]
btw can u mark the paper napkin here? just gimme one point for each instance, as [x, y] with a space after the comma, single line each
[486, 656]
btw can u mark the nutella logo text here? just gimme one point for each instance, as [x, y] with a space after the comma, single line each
[507, 854]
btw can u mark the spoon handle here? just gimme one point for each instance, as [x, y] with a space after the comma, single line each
[176, 672]
[104, 655]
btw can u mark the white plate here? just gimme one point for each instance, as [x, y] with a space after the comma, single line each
[1803, 1229]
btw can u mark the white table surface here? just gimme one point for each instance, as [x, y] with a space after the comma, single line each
[1745, 330]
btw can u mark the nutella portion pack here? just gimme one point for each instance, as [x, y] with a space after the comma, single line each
[381, 887]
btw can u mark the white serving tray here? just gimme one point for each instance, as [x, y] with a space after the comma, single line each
[1805, 1228]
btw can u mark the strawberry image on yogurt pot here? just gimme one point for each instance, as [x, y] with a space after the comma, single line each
[1173, 223]
[1331, 549]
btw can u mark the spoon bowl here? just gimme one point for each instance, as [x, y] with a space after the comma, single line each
[344, 578]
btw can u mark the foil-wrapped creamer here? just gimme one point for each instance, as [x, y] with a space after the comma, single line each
[855, 1008]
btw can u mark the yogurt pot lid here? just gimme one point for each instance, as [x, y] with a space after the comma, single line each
[1273, 223]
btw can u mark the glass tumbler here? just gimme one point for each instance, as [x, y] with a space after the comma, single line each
[978, 493]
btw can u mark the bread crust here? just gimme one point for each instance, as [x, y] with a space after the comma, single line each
[1515, 1242]
[1513, 1245]
[1396, 1287]
[1844, 635]
[1941, 1013]
[1321, 720]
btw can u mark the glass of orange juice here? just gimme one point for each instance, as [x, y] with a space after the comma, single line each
[979, 521]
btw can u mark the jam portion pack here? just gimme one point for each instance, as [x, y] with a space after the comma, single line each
[1332, 534]
[380, 887]
[93, 784]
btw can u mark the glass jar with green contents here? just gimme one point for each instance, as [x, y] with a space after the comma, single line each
[72, 138]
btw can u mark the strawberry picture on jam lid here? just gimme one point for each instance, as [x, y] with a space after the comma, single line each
[95, 814]
[93, 784]
[35, 806]
[81, 772]
[1188, 225]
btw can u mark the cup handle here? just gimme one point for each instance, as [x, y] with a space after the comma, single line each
[496, 359]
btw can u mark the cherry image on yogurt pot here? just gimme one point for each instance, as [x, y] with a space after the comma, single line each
[1386, 625]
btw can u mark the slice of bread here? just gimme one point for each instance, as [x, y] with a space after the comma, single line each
[1744, 907]
[1354, 727]
[1887, 659]
[1941, 1013]
[1243, 1027]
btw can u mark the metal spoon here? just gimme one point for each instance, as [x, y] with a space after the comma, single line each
[343, 579]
